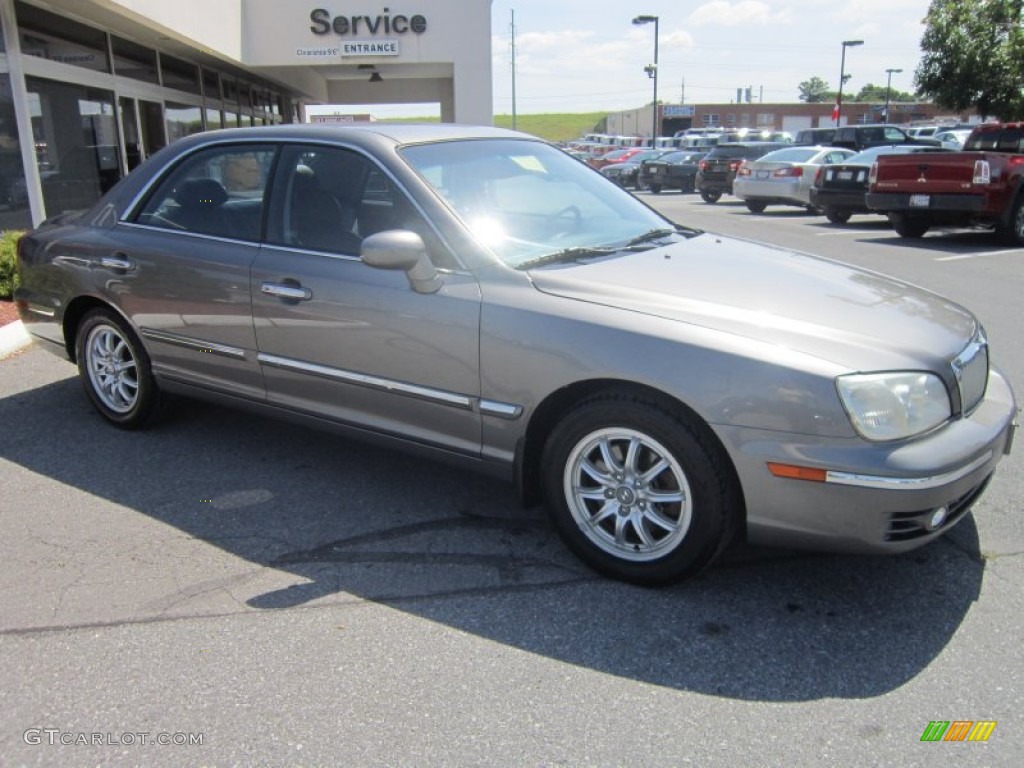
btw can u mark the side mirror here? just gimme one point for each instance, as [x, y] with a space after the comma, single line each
[404, 250]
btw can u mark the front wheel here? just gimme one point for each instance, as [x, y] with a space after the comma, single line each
[636, 492]
[710, 197]
[655, 189]
[907, 226]
[755, 207]
[115, 370]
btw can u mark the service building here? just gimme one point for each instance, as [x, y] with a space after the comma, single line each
[90, 88]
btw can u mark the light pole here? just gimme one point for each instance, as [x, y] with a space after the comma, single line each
[888, 87]
[652, 72]
[842, 78]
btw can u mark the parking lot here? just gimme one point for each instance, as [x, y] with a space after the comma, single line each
[254, 593]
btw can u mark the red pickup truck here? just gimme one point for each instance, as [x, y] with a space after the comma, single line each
[980, 185]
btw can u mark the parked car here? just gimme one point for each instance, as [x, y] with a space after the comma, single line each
[615, 156]
[839, 190]
[784, 177]
[952, 139]
[675, 170]
[477, 295]
[858, 137]
[717, 170]
[626, 172]
[815, 136]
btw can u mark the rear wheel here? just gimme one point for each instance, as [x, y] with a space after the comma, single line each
[755, 207]
[710, 197]
[655, 189]
[1013, 232]
[115, 370]
[637, 492]
[837, 216]
[907, 226]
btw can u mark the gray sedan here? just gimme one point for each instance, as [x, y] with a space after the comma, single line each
[479, 296]
[784, 177]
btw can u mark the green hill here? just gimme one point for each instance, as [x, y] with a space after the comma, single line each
[553, 127]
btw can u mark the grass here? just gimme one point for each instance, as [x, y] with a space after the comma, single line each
[552, 127]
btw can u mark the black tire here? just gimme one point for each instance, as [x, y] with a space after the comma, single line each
[115, 370]
[907, 226]
[755, 207]
[607, 514]
[655, 189]
[1013, 232]
[837, 216]
[710, 197]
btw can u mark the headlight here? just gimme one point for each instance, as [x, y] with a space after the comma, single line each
[892, 406]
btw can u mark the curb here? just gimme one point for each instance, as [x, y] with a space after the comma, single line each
[13, 338]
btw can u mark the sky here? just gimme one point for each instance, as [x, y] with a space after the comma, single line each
[583, 56]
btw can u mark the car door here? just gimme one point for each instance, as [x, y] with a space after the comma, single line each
[349, 342]
[179, 267]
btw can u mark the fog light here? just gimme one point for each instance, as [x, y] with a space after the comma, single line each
[938, 516]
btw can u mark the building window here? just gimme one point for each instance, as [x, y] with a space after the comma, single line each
[730, 120]
[135, 61]
[711, 119]
[14, 213]
[49, 36]
[214, 120]
[179, 75]
[182, 120]
[77, 149]
[211, 87]
[766, 118]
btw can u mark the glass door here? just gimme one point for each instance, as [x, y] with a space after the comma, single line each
[133, 149]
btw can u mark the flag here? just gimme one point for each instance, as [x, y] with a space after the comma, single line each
[835, 111]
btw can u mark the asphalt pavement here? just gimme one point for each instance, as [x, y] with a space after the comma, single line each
[227, 590]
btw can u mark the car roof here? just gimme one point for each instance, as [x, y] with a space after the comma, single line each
[361, 134]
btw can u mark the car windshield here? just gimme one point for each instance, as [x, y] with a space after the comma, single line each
[527, 201]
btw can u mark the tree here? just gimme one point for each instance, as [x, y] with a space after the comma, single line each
[814, 91]
[973, 57]
[877, 93]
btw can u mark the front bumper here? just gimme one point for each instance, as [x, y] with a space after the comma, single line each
[878, 497]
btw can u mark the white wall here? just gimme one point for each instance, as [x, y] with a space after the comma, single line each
[214, 24]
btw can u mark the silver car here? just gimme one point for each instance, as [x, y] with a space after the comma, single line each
[479, 296]
[784, 177]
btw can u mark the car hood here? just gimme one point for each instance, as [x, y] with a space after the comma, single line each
[855, 318]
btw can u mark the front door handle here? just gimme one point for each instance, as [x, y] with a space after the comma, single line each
[118, 261]
[284, 291]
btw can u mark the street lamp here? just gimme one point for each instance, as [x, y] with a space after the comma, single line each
[888, 86]
[652, 72]
[842, 78]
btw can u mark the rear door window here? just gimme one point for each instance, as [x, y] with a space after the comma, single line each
[218, 191]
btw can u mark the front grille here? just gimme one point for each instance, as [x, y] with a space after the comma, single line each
[971, 371]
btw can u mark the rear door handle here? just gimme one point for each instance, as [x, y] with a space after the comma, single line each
[283, 291]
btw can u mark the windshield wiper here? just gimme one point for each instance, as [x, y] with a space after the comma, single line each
[654, 234]
[570, 254]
